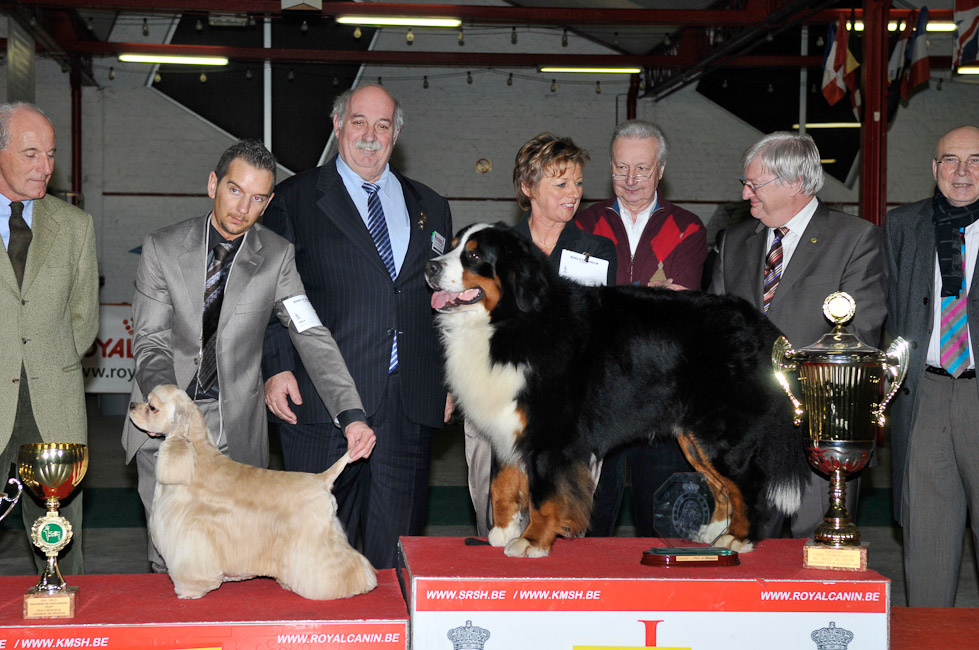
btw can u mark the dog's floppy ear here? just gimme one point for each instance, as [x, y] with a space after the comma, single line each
[177, 461]
[526, 274]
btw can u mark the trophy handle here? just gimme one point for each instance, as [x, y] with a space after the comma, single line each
[781, 361]
[900, 352]
[13, 501]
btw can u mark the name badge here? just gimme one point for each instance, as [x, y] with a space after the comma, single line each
[301, 312]
[583, 269]
[438, 243]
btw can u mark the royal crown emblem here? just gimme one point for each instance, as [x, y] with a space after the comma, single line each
[832, 637]
[469, 637]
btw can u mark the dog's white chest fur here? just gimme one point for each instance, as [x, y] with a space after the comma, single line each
[486, 391]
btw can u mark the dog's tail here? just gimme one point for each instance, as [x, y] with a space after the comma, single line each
[330, 475]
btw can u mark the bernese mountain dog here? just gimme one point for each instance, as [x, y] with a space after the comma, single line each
[556, 374]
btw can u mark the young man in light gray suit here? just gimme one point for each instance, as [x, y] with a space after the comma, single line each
[822, 251]
[934, 304]
[49, 303]
[259, 279]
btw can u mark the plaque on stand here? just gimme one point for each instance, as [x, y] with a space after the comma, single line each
[687, 508]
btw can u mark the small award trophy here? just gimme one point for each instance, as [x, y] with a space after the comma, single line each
[52, 471]
[841, 379]
[684, 509]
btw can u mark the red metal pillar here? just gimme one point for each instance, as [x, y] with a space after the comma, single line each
[75, 77]
[873, 177]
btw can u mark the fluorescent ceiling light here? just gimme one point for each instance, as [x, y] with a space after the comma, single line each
[624, 70]
[827, 161]
[829, 125]
[893, 26]
[160, 58]
[399, 21]
[971, 69]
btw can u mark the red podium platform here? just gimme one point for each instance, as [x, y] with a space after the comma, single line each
[594, 593]
[130, 612]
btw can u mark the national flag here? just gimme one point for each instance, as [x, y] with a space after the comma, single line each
[833, 87]
[966, 47]
[897, 64]
[835, 63]
[920, 69]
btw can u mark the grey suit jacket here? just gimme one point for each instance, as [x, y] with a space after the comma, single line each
[911, 257]
[837, 252]
[49, 323]
[168, 307]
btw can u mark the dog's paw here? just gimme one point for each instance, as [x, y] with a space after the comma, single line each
[521, 547]
[735, 544]
[502, 536]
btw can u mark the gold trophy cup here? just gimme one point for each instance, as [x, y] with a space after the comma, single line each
[842, 384]
[52, 471]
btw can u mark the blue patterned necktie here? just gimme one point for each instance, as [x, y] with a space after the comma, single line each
[955, 325]
[378, 227]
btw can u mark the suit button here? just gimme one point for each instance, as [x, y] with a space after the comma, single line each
[914, 345]
[25, 341]
[23, 302]
[905, 390]
[926, 301]
[196, 360]
[397, 290]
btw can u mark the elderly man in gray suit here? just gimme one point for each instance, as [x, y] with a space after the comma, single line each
[932, 246]
[49, 303]
[206, 289]
[787, 262]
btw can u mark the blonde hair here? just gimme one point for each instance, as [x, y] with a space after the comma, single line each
[544, 154]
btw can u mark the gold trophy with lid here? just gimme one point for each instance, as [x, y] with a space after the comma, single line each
[52, 471]
[841, 380]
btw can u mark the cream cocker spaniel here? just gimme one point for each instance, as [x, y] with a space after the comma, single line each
[215, 520]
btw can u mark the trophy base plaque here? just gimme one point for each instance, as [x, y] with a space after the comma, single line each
[835, 558]
[690, 557]
[59, 604]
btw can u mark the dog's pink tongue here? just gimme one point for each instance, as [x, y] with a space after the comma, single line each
[441, 298]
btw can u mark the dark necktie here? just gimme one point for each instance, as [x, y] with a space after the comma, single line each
[378, 227]
[955, 325]
[213, 296]
[773, 268]
[20, 240]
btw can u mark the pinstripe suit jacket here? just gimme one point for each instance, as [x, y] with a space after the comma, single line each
[350, 287]
[909, 238]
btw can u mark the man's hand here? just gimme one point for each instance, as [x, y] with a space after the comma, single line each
[360, 439]
[450, 407]
[279, 389]
[667, 284]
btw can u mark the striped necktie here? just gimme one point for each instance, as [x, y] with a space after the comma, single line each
[20, 240]
[378, 227]
[773, 267]
[213, 297]
[955, 326]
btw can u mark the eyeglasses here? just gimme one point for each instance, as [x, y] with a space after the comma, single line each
[638, 179]
[752, 187]
[951, 163]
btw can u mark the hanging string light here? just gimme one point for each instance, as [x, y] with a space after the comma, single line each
[336, 81]
[513, 36]
[425, 82]
[357, 32]
[146, 28]
[509, 79]
[553, 85]
[462, 37]
[379, 82]
[598, 87]
[469, 78]
[410, 37]
[203, 78]
[564, 38]
[199, 27]
[304, 27]
[248, 74]
[292, 75]
[112, 74]
[157, 78]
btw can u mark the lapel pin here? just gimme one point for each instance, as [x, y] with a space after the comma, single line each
[813, 240]
[422, 221]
